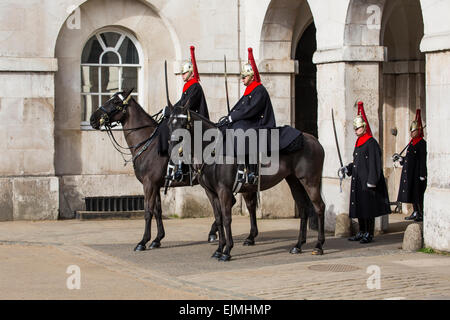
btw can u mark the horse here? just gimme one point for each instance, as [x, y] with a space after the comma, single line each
[301, 169]
[140, 131]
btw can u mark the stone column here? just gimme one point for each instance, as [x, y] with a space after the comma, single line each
[29, 189]
[345, 76]
[436, 207]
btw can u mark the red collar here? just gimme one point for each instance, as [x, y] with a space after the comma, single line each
[189, 83]
[416, 140]
[251, 87]
[363, 139]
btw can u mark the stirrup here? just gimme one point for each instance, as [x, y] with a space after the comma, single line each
[241, 179]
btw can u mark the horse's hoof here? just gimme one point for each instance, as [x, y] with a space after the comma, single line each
[249, 242]
[225, 257]
[317, 252]
[139, 247]
[212, 238]
[295, 250]
[217, 255]
[154, 245]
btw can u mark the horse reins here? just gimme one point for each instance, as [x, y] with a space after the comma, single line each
[104, 120]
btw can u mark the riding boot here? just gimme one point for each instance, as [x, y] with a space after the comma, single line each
[170, 170]
[413, 216]
[252, 173]
[178, 176]
[362, 230]
[419, 216]
[370, 228]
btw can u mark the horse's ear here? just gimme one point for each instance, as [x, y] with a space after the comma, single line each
[126, 93]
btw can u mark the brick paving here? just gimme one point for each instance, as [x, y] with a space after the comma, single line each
[34, 257]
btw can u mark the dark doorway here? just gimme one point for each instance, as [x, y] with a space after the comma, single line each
[306, 98]
[305, 83]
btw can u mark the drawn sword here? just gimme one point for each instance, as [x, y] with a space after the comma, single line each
[341, 174]
[226, 82]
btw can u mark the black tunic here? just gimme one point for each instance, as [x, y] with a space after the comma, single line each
[194, 94]
[414, 164]
[366, 168]
[196, 99]
[255, 111]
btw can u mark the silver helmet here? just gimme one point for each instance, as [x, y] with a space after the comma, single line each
[247, 70]
[187, 67]
[359, 122]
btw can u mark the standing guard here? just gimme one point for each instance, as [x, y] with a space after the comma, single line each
[192, 92]
[253, 110]
[369, 195]
[413, 182]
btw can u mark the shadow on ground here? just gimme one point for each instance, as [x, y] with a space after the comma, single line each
[176, 258]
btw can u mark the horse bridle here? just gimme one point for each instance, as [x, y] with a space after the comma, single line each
[104, 119]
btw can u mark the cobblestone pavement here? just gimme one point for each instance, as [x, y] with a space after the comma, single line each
[34, 257]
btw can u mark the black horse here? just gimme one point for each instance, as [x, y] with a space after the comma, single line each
[302, 170]
[149, 167]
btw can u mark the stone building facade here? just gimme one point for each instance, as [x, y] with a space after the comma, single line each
[59, 59]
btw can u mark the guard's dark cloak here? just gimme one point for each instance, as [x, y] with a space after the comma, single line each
[255, 111]
[197, 102]
[414, 164]
[366, 168]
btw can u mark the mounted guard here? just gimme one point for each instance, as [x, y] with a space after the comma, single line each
[192, 92]
[253, 111]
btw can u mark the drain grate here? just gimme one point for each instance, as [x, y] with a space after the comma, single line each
[333, 267]
[124, 203]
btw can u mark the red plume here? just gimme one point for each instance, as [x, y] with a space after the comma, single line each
[253, 64]
[363, 114]
[419, 123]
[194, 64]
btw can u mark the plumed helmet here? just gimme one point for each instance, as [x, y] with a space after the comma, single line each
[191, 66]
[187, 67]
[247, 70]
[417, 124]
[361, 119]
[359, 122]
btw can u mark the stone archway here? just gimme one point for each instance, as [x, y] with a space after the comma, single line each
[288, 34]
[403, 81]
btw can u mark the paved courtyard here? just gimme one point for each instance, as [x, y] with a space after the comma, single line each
[34, 258]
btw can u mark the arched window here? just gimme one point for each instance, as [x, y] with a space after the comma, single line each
[110, 63]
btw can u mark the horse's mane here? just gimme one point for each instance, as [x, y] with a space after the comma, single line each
[145, 112]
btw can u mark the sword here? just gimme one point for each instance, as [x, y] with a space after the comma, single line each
[341, 174]
[258, 194]
[226, 82]
[167, 86]
[396, 156]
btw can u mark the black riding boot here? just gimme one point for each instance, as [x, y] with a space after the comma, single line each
[419, 216]
[252, 173]
[370, 228]
[413, 216]
[362, 230]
